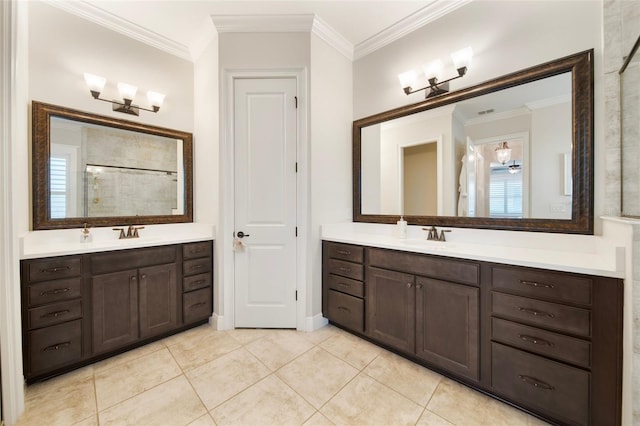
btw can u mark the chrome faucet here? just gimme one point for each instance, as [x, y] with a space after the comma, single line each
[433, 235]
[132, 232]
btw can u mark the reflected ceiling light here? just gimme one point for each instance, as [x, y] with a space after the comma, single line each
[96, 84]
[514, 168]
[433, 73]
[503, 153]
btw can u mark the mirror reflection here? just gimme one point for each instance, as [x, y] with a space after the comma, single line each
[99, 171]
[447, 161]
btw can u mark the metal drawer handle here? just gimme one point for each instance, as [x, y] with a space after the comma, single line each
[535, 382]
[57, 346]
[56, 291]
[197, 267]
[199, 282]
[64, 268]
[535, 340]
[535, 284]
[55, 314]
[535, 313]
[343, 269]
[200, 250]
[342, 308]
[344, 252]
[195, 305]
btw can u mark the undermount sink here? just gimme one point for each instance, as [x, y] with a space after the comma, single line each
[428, 244]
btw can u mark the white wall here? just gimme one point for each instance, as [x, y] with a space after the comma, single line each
[505, 37]
[330, 152]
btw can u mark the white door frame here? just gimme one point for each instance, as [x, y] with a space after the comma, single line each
[225, 291]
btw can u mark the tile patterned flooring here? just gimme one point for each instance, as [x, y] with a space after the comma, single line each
[261, 377]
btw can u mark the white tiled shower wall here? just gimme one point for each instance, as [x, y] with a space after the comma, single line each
[621, 29]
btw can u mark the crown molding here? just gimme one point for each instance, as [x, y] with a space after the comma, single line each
[108, 20]
[427, 14]
[544, 103]
[333, 38]
[263, 23]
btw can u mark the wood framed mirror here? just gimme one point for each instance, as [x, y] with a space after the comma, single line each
[105, 171]
[435, 162]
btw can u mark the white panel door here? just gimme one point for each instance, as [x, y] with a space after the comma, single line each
[265, 129]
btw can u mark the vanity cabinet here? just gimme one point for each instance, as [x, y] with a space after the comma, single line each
[419, 305]
[81, 308]
[548, 342]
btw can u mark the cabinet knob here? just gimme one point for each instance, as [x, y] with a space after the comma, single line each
[409, 285]
[143, 276]
[133, 279]
[419, 286]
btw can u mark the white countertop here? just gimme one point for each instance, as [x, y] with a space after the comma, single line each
[61, 242]
[585, 254]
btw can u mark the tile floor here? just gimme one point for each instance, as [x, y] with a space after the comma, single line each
[261, 377]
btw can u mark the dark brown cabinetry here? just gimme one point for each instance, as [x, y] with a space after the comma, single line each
[548, 342]
[343, 293]
[77, 309]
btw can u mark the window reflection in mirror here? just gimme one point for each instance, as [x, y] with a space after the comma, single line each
[99, 171]
[461, 176]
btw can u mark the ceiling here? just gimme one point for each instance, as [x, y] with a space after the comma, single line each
[358, 27]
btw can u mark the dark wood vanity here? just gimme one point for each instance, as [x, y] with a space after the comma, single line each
[81, 308]
[547, 342]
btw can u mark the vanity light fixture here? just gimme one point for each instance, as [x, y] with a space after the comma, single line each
[433, 72]
[96, 84]
[503, 153]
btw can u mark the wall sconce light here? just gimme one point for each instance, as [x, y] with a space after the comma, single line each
[95, 83]
[433, 72]
[503, 153]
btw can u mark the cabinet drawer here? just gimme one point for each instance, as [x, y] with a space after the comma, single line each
[346, 285]
[547, 343]
[429, 266]
[196, 305]
[193, 250]
[53, 269]
[55, 313]
[346, 269]
[196, 266]
[345, 252]
[346, 310]
[549, 387]
[196, 281]
[54, 291]
[546, 314]
[54, 346]
[114, 261]
[558, 287]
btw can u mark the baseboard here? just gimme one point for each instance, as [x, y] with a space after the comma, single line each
[315, 322]
[216, 321]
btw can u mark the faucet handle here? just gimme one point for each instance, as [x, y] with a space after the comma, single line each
[441, 237]
[135, 231]
[432, 233]
[121, 236]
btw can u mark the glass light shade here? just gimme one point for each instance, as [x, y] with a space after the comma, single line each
[462, 58]
[408, 79]
[503, 153]
[127, 91]
[95, 83]
[155, 98]
[433, 69]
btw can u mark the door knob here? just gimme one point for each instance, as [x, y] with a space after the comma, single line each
[241, 234]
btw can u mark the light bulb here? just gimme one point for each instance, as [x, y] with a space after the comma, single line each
[155, 98]
[95, 83]
[462, 58]
[433, 70]
[127, 91]
[408, 79]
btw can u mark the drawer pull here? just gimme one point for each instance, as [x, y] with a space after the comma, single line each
[344, 252]
[55, 314]
[343, 308]
[535, 313]
[343, 269]
[535, 284]
[199, 282]
[535, 382]
[196, 267]
[50, 270]
[195, 305]
[193, 251]
[535, 340]
[56, 291]
[57, 346]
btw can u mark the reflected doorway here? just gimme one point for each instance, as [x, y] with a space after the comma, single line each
[420, 179]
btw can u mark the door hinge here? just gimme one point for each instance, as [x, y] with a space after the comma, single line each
[296, 167]
[296, 231]
[296, 294]
[296, 99]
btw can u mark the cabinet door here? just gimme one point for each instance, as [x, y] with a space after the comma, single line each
[447, 325]
[115, 310]
[391, 308]
[158, 299]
